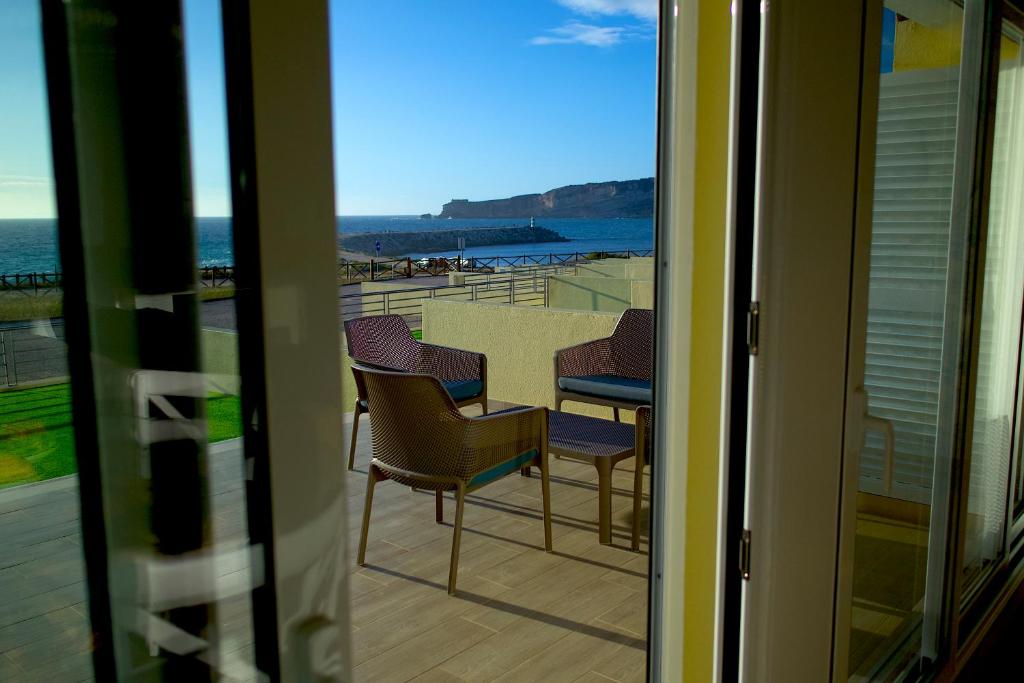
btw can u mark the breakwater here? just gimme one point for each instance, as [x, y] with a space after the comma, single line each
[403, 243]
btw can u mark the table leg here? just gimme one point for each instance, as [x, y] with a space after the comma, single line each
[604, 500]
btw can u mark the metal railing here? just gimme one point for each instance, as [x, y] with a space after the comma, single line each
[519, 287]
[374, 269]
[34, 283]
[36, 351]
[32, 352]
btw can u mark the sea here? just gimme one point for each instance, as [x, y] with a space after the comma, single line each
[30, 245]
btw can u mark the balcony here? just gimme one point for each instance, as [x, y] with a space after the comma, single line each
[577, 613]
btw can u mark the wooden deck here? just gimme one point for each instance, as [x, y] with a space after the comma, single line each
[575, 614]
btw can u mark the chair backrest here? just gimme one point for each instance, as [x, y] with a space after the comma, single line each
[383, 341]
[633, 344]
[415, 425]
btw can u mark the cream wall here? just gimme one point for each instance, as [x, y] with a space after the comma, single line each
[220, 360]
[588, 293]
[607, 294]
[641, 294]
[520, 344]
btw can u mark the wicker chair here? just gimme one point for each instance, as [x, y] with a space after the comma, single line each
[385, 341]
[643, 456]
[614, 371]
[420, 439]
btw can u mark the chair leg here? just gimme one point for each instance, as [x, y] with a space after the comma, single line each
[545, 493]
[438, 507]
[355, 432]
[371, 480]
[604, 500]
[638, 494]
[616, 411]
[460, 504]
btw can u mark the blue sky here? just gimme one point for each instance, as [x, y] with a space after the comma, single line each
[432, 100]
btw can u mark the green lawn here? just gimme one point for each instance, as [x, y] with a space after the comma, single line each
[36, 438]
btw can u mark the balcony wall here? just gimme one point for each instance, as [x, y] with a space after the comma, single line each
[520, 344]
[598, 293]
[220, 360]
[640, 268]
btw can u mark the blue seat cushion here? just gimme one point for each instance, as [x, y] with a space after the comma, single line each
[611, 387]
[500, 470]
[461, 389]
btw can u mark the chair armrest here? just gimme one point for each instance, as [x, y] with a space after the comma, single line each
[493, 439]
[589, 358]
[449, 364]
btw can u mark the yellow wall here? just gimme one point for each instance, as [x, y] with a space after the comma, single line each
[924, 47]
[931, 47]
[520, 344]
[709, 221]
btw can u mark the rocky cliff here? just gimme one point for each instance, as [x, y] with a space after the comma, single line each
[402, 243]
[615, 199]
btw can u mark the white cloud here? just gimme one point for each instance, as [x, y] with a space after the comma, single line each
[580, 33]
[641, 9]
[583, 34]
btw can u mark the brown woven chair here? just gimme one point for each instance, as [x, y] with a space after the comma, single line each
[420, 439]
[614, 371]
[385, 341]
[643, 456]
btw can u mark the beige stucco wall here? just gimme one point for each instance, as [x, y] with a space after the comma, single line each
[636, 268]
[597, 293]
[603, 268]
[520, 344]
[220, 360]
[641, 294]
[587, 293]
[219, 351]
[640, 270]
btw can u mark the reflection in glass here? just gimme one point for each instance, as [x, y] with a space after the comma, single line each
[910, 256]
[995, 396]
[44, 609]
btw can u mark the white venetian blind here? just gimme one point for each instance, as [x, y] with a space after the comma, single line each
[909, 255]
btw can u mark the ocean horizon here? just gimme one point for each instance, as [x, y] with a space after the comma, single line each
[30, 244]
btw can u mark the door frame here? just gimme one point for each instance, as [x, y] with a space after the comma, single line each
[794, 463]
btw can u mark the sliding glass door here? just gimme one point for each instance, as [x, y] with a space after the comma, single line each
[996, 416]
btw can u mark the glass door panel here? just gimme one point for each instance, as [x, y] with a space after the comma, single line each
[908, 334]
[45, 607]
[999, 344]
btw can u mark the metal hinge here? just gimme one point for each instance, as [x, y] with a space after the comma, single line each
[745, 555]
[753, 326]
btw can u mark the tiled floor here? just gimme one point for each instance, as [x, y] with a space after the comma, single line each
[521, 614]
[888, 588]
